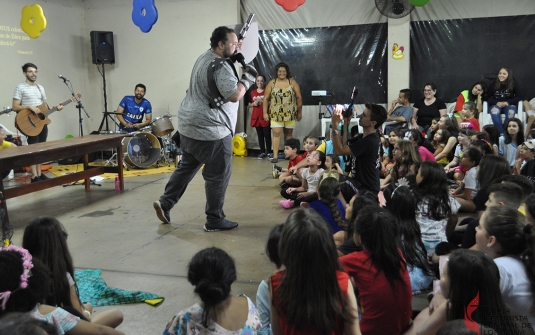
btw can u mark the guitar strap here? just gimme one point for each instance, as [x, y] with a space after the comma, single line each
[42, 96]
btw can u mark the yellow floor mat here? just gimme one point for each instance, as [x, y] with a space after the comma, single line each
[61, 170]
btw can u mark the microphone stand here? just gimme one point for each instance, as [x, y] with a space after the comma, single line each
[78, 105]
[80, 120]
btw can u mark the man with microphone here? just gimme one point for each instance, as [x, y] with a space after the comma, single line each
[206, 122]
[30, 95]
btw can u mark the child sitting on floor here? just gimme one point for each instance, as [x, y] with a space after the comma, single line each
[453, 169]
[46, 239]
[291, 152]
[24, 284]
[329, 206]
[333, 162]
[511, 140]
[307, 298]
[469, 114]
[310, 178]
[310, 143]
[212, 271]
[439, 142]
[262, 295]
[468, 188]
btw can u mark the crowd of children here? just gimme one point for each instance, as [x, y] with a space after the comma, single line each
[349, 260]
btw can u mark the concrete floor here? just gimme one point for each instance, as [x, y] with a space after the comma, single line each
[120, 234]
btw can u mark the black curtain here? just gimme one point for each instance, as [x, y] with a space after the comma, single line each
[455, 54]
[330, 58]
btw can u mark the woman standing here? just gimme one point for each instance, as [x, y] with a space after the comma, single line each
[257, 119]
[283, 106]
[504, 96]
[427, 108]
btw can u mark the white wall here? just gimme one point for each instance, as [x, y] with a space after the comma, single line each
[161, 59]
[59, 50]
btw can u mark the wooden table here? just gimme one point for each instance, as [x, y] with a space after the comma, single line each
[54, 150]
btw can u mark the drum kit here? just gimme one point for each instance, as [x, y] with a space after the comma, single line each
[149, 146]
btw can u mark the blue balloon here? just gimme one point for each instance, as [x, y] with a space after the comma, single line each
[144, 14]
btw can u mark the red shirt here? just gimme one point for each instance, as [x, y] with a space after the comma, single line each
[385, 310]
[471, 123]
[257, 115]
[276, 280]
[295, 161]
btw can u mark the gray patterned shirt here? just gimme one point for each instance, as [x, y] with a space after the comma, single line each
[196, 119]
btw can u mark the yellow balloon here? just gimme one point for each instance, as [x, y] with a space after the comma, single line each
[33, 20]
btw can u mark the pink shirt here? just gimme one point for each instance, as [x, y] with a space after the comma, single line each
[425, 154]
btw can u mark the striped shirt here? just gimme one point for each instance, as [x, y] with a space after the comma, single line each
[29, 95]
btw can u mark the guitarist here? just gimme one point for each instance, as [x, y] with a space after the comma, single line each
[29, 95]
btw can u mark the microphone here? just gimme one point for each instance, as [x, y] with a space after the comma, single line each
[239, 58]
[64, 79]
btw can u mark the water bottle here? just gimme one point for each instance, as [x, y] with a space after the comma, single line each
[117, 184]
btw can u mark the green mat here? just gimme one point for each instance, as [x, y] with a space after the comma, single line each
[93, 289]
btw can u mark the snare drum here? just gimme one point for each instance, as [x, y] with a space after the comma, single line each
[162, 126]
[141, 150]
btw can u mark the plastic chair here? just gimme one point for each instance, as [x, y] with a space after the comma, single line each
[484, 117]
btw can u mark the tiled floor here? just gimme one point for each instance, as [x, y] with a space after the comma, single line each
[120, 234]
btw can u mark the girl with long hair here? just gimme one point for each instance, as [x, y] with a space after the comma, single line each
[425, 149]
[307, 298]
[494, 136]
[491, 167]
[436, 208]
[466, 192]
[446, 123]
[511, 140]
[46, 239]
[24, 285]
[505, 235]
[439, 142]
[357, 202]
[504, 97]
[476, 95]
[405, 155]
[400, 202]
[212, 271]
[380, 273]
[471, 285]
[329, 205]
[388, 161]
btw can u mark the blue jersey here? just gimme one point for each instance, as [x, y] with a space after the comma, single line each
[133, 112]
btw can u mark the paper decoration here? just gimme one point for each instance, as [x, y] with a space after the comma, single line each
[290, 5]
[144, 14]
[33, 20]
[418, 2]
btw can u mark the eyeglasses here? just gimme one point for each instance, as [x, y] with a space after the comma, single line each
[428, 90]
[312, 156]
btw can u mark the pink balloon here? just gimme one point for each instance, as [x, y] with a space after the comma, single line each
[290, 5]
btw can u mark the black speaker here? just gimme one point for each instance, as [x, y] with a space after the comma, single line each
[102, 47]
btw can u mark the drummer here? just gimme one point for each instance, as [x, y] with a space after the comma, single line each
[131, 110]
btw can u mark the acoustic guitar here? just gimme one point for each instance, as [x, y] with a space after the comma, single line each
[31, 124]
